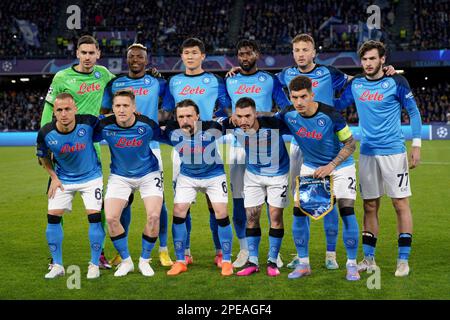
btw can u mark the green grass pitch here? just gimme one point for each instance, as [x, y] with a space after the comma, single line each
[24, 250]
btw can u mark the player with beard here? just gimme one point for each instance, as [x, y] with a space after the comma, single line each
[208, 91]
[383, 161]
[265, 89]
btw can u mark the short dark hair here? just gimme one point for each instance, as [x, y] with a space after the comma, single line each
[125, 93]
[245, 102]
[248, 43]
[187, 103]
[87, 39]
[193, 42]
[305, 38]
[300, 83]
[64, 95]
[372, 44]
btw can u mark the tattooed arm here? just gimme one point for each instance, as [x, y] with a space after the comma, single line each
[346, 151]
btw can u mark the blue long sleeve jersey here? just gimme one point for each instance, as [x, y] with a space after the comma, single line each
[74, 154]
[379, 103]
[199, 156]
[265, 151]
[261, 86]
[131, 155]
[206, 89]
[319, 136]
[150, 92]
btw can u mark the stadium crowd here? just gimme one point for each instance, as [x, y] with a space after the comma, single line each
[162, 25]
[431, 21]
[40, 12]
[21, 110]
[282, 20]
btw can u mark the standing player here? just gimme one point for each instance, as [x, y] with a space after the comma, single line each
[133, 167]
[148, 91]
[201, 170]
[265, 179]
[326, 82]
[86, 82]
[263, 88]
[207, 91]
[70, 139]
[383, 162]
[327, 145]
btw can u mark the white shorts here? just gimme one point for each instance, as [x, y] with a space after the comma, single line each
[257, 188]
[176, 163]
[157, 153]
[237, 170]
[295, 164]
[186, 189]
[91, 193]
[344, 182]
[120, 187]
[384, 174]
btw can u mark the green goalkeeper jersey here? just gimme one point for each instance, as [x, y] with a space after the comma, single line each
[86, 88]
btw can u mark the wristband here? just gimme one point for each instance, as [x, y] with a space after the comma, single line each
[416, 142]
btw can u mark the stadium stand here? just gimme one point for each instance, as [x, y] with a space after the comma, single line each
[20, 110]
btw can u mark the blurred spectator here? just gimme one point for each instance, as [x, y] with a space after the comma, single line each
[21, 110]
[431, 20]
[40, 12]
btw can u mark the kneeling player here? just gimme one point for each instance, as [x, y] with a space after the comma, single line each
[70, 139]
[265, 180]
[133, 167]
[327, 145]
[201, 170]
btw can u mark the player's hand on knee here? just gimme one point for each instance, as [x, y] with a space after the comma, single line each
[414, 157]
[233, 71]
[54, 185]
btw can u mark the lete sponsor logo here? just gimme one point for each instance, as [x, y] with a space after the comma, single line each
[304, 133]
[86, 88]
[188, 90]
[243, 89]
[126, 143]
[369, 96]
[68, 148]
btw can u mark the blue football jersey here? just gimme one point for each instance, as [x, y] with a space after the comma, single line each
[74, 153]
[206, 90]
[131, 155]
[319, 136]
[150, 92]
[198, 152]
[379, 103]
[261, 86]
[326, 82]
[265, 151]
